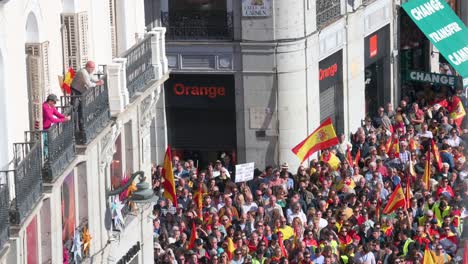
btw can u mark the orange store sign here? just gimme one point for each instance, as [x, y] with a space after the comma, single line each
[209, 91]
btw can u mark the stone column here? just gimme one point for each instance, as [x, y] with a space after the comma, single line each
[116, 83]
[156, 52]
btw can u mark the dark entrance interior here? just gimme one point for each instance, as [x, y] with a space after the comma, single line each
[201, 116]
[377, 71]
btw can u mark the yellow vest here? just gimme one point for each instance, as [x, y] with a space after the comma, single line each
[440, 215]
[405, 247]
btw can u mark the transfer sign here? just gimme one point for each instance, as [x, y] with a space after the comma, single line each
[443, 28]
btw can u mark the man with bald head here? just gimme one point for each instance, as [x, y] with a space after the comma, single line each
[84, 79]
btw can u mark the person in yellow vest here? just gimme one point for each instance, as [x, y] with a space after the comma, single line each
[441, 210]
[406, 243]
[348, 254]
[427, 218]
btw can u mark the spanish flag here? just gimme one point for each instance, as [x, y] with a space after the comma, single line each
[412, 144]
[199, 200]
[396, 200]
[193, 236]
[349, 157]
[427, 171]
[230, 248]
[427, 259]
[358, 157]
[457, 111]
[394, 146]
[436, 153]
[408, 194]
[331, 159]
[323, 137]
[168, 175]
[67, 80]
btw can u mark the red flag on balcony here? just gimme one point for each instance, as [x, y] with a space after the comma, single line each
[67, 80]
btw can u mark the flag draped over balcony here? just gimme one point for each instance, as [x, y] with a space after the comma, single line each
[168, 175]
[323, 137]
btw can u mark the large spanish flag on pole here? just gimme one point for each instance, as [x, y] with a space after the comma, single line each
[427, 171]
[436, 153]
[396, 200]
[168, 175]
[323, 137]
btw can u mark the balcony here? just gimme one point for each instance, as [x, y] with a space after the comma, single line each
[91, 113]
[4, 207]
[24, 184]
[327, 11]
[196, 25]
[140, 66]
[59, 146]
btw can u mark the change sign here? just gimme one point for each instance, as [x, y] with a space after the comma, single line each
[444, 29]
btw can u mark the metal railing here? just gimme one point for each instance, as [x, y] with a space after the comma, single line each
[139, 69]
[4, 209]
[59, 146]
[23, 183]
[91, 112]
[327, 11]
[196, 25]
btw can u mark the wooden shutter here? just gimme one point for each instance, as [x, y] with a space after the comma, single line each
[37, 65]
[75, 40]
[113, 27]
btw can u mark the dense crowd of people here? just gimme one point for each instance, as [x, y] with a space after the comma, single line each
[329, 211]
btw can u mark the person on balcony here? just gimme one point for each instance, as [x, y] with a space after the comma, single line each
[50, 115]
[84, 79]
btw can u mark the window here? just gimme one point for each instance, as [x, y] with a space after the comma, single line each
[75, 40]
[37, 64]
[198, 19]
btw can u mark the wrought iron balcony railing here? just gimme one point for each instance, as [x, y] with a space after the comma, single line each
[327, 11]
[196, 25]
[24, 183]
[91, 112]
[59, 146]
[4, 209]
[139, 68]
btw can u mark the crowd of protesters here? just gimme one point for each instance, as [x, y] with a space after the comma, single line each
[324, 212]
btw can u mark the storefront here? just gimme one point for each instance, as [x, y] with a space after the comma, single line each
[377, 71]
[331, 90]
[201, 116]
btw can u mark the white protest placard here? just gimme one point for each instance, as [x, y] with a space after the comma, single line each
[244, 172]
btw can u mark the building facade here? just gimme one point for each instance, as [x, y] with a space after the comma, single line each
[63, 197]
[262, 75]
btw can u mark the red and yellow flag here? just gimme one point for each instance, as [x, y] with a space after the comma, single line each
[436, 153]
[394, 146]
[323, 137]
[427, 259]
[358, 157]
[67, 80]
[193, 236]
[408, 195]
[412, 144]
[168, 175]
[396, 200]
[199, 200]
[427, 171]
[230, 248]
[349, 157]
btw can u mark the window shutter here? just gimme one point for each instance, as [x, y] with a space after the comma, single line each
[35, 74]
[113, 27]
[75, 40]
